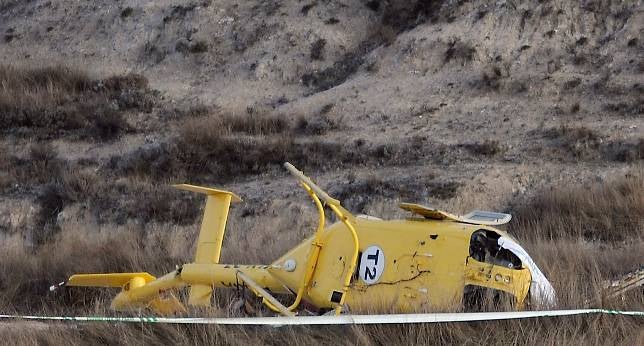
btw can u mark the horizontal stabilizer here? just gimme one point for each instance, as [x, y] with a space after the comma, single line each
[207, 191]
[106, 280]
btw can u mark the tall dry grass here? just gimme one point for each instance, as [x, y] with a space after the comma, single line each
[575, 264]
[584, 330]
[612, 211]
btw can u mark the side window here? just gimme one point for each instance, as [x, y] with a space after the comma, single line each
[484, 247]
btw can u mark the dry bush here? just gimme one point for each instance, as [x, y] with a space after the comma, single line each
[485, 148]
[581, 142]
[40, 166]
[491, 79]
[611, 211]
[156, 161]
[51, 200]
[230, 146]
[585, 143]
[148, 203]
[623, 151]
[405, 15]
[43, 163]
[62, 189]
[336, 74]
[108, 124]
[126, 12]
[200, 46]
[459, 51]
[225, 147]
[632, 108]
[316, 125]
[317, 49]
[358, 194]
[141, 202]
[50, 102]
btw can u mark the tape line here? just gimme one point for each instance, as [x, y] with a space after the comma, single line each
[334, 320]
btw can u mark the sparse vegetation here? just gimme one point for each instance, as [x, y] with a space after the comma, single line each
[581, 142]
[52, 102]
[490, 80]
[624, 151]
[357, 195]
[587, 144]
[197, 47]
[405, 15]
[317, 49]
[332, 76]
[223, 147]
[485, 148]
[127, 12]
[317, 125]
[459, 51]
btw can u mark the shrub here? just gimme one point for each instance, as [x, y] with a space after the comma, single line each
[127, 12]
[623, 151]
[581, 142]
[460, 51]
[155, 161]
[317, 125]
[485, 148]
[108, 124]
[405, 15]
[43, 164]
[54, 101]
[198, 47]
[317, 49]
[51, 200]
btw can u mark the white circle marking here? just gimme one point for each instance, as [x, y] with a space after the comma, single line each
[372, 264]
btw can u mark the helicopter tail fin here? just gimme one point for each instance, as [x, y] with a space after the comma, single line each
[211, 234]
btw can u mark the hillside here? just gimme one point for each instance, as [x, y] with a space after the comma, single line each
[531, 108]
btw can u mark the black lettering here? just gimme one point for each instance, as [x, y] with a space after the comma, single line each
[374, 258]
[371, 275]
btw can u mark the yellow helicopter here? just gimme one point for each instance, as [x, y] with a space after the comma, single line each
[432, 260]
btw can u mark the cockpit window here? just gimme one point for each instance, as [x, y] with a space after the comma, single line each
[484, 247]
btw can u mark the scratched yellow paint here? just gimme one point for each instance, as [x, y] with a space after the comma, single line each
[419, 263]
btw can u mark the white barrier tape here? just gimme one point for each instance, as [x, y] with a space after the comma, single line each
[337, 320]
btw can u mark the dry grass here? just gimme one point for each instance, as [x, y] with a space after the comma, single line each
[611, 211]
[575, 263]
[224, 147]
[56, 101]
[583, 143]
[485, 148]
[567, 331]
